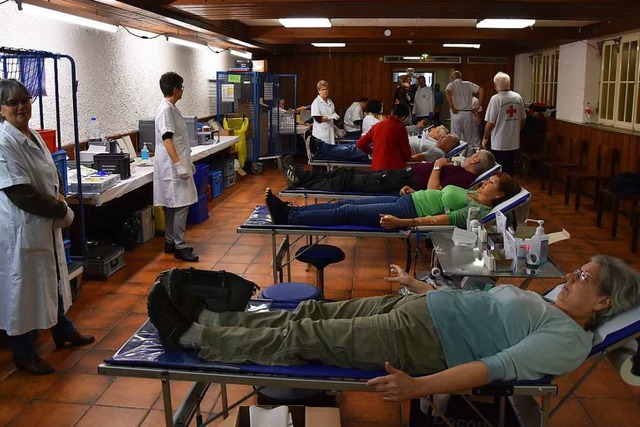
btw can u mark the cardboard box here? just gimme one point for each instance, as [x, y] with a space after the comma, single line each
[302, 417]
[226, 132]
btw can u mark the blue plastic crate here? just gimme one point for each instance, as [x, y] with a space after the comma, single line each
[215, 180]
[201, 178]
[60, 159]
[67, 249]
[199, 212]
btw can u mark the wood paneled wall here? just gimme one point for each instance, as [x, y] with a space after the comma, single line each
[352, 76]
[598, 137]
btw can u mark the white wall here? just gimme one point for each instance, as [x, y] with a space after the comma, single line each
[522, 77]
[117, 73]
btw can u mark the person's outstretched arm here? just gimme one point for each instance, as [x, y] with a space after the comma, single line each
[390, 221]
[398, 386]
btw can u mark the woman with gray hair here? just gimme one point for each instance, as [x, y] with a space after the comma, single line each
[324, 113]
[436, 341]
[33, 270]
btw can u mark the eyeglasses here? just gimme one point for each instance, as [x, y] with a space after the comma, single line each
[583, 275]
[13, 103]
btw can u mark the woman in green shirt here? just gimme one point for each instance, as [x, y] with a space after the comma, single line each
[425, 207]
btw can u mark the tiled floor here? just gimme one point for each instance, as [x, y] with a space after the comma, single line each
[112, 310]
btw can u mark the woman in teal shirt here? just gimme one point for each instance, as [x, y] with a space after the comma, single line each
[425, 207]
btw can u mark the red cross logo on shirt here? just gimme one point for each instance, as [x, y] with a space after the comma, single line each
[511, 111]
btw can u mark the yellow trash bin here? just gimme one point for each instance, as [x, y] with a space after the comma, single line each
[239, 126]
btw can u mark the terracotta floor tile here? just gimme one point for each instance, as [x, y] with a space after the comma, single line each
[131, 393]
[356, 407]
[117, 303]
[9, 408]
[78, 388]
[102, 319]
[602, 382]
[26, 386]
[89, 363]
[613, 412]
[154, 418]
[62, 360]
[51, 414]
[571, 413]
[114, 416]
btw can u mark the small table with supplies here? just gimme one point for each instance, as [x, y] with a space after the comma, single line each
[461, 261]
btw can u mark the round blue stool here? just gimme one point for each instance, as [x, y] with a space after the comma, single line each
[287, 295]
[320, 256]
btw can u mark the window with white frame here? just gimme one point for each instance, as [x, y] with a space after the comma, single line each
[544, 77]
[619, 82]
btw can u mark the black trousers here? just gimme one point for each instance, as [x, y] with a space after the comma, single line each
[388, 181]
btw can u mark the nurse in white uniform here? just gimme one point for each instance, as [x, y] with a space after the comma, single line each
[34, 287]
[324, 113]
[173, 185]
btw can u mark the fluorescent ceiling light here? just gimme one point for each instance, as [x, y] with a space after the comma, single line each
[184, 25]
[468, 45]
[188, 43]
[91, 21]
[305, 22]
[411, 58]
[241, 43]
[505, 23]
[329, 44]
[241, 54]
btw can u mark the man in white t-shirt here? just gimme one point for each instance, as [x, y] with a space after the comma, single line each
[505, 118]
[423, 100]
[353, 118]
[460, 95]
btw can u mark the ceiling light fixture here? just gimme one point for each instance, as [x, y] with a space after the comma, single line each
[184, 24]
[305, 22]
[241, 43]
[78, 18]
[241, 53]
[505, 23]
[188, 43]
[411, 58]
[463, 45]
[329, 44]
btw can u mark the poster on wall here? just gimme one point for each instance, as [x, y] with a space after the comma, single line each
[227, 93]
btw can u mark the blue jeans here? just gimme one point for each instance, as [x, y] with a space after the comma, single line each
[347, 152]
[365, 211]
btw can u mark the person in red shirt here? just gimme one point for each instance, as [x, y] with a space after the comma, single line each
[388, 141]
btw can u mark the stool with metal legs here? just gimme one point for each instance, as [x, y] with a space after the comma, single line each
[320, 256]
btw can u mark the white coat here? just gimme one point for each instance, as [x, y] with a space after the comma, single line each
[324, 131]
[30, 248]
[169, 189]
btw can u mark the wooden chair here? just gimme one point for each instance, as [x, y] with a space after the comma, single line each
[580, 175]
[546, 151]
[577, 154]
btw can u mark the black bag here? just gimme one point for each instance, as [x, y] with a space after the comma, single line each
[625, 183]
[221, 291]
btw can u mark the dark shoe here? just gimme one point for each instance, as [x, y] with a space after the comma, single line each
[289, 171]
[75, 339]
[186, 255]
[175, 281]
[278, 209]
[35, 366]
[170, 248]
[169, 322]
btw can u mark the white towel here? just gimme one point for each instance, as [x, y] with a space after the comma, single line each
[276, 417]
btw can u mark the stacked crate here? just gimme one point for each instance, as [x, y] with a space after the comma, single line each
[199, 211]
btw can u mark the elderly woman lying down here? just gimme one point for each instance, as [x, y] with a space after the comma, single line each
[440, 341]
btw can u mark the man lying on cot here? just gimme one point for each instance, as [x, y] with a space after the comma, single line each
[418, 176]
[425, 207]
[441, 341]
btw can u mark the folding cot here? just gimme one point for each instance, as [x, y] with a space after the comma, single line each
[339, 195]
[142, 356]
[330, 164]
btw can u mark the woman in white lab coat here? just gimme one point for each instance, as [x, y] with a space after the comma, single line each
[323, 112]
[173, 185]
[34, 287]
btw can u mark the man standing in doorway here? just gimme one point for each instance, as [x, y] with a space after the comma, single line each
[505, 118]
[423, 100]
[460, 95]
[173, 185]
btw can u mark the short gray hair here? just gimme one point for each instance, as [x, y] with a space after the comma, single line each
[487, 161]
[618, 280]
[321, 84]
[9, 88]
[502, 81]
[443, 131]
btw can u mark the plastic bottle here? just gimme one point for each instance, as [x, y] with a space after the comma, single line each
[587, 113]
[539, 243]
[144, 153]
[472, 213]
[94, 129]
